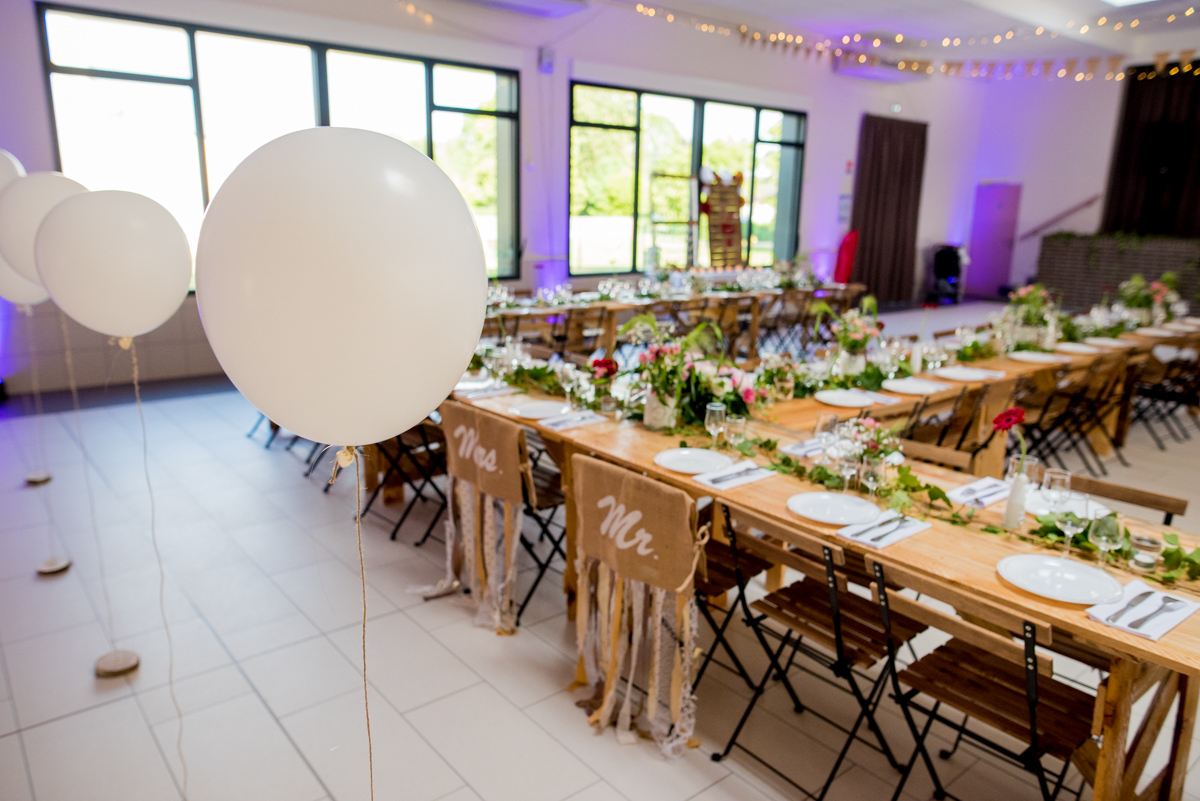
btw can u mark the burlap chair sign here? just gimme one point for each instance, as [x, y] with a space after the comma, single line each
[638, 550]
[488, 463]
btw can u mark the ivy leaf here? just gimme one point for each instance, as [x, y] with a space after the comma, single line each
[936, 494]
[1172, 539]
[900, 500]
[993, 530]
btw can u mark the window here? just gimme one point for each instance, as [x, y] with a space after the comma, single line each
[170, 110]
[634, 161]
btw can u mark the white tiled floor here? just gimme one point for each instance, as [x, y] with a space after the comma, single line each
[263, 595]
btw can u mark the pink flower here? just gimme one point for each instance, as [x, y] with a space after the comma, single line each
[645, 358]
[857, 335]
[870, 422]
[748, 395]
[671, 349]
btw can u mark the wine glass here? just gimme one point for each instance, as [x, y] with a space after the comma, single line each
[1056, 483]
[735, 430]
[1105, 533]
[714, 420]
[568, 378]
[825, 432]
[872, 473]
[1070, 521]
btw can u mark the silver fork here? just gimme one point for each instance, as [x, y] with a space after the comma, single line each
[899, 525]
[1168, 604]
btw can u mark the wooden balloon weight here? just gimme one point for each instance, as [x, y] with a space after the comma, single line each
[37, 478]
[55, 564]
[118, 663]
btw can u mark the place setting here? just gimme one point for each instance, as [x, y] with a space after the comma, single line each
[1144, 610]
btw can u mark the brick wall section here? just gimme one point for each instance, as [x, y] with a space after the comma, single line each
[1083, 269]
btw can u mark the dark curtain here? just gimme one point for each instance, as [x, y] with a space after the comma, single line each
[887, 197]
[1154, 187]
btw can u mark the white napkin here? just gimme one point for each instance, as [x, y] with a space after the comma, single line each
[749, 477]
[804, 449]
[883, 530]
[991, 373]
[1154, 629]
[887, 400]
[983, 492]
[488, 393]
[470, 382]
[572, 420]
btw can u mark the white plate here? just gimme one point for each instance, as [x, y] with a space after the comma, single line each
[847, 398]
[1060, 579]
[1036, 357]
[913, 386]
[1109, 342]
[692, 460]
[960, 373]
[1036, 504]
[1075, 347]
[536, 410]
[1184, 327]
[1155, 332]
[833, 507]
[470, 382]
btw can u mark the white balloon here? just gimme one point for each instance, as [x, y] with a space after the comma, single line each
[342, 284]
[24, 203]
[10, 168]
[116, 262]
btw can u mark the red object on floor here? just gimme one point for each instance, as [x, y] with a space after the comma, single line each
[845, 259]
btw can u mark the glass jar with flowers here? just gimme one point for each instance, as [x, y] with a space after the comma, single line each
[853, 331]
[1014, 508]
[1030, 308]
[664, 368]
[777, 378]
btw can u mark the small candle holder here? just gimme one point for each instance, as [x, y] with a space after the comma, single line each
[1146, 551]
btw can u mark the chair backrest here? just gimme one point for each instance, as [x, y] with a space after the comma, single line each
[801, 552]
[639, 528]
[981, 624]
[487, 451]
[1167, 504]
[937, 454]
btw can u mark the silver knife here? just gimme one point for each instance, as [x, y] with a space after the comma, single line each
[557, 424]
[875, 527]
[978, 500]
[1115, 616]
[730, 476]
[904, 521]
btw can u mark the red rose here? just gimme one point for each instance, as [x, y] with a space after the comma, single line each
[1009, 418]
[604, 368]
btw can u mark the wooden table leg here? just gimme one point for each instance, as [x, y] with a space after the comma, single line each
[610, 334]
[755, 322]
[1185, 723]
[1118, 699]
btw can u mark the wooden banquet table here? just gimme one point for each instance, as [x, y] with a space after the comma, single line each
[963, 558]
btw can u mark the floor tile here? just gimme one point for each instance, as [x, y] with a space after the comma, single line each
[237, 596]
[248, 642]
[524, 668]
[235, 751]
[14, 781]
[194, 693]
[32, 605]
[195, 648]
[279, 545]
[600, 791]
[54, 675]
[135, 602]
[330, 594]
[332, 736]
[69, 758]
[501, 753]
[408, 665]
[301, 675]
[8, 717]
[733, 788]
[637, 771]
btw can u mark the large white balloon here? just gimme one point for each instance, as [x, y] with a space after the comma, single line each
[24, 203]
[13, 287]
[342, 284]
[116, 262]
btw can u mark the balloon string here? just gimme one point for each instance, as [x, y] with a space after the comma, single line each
[87, 480]
[362, 569]
[162, 575]
[35, 386]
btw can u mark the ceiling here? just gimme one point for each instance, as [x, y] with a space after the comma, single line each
[932, 21]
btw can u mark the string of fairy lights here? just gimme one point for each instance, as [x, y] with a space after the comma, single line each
[862, 49]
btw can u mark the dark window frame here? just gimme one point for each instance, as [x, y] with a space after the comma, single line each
[319, 50]
[799, 146]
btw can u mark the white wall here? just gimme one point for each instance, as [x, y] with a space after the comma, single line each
[975, 129]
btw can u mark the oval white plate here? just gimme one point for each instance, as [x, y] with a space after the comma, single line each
[1184, 327]
[536, 410]
[847, 398]
[1109, 342]
[1036, 504]
[1036, 357]
[833, 507]
[1155, 332]
[959, 373]
[1060, 579]
[913, 386]
[1075, 347]
[692, 460]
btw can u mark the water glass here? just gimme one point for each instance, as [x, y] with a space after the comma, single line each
[848, 468]
[825, 432]
[1056, 483]
[714, 420]
[872, 473]
[735, 430]
[1105, 533]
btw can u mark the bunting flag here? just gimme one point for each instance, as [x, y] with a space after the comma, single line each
[991, 70]
[1070, 65]
[1185, 59]
[1029, 68]
[1093, 64]
[975, 65]
[1114, 64]
[1008, 68]
[1160, 62]
[1047, 68]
